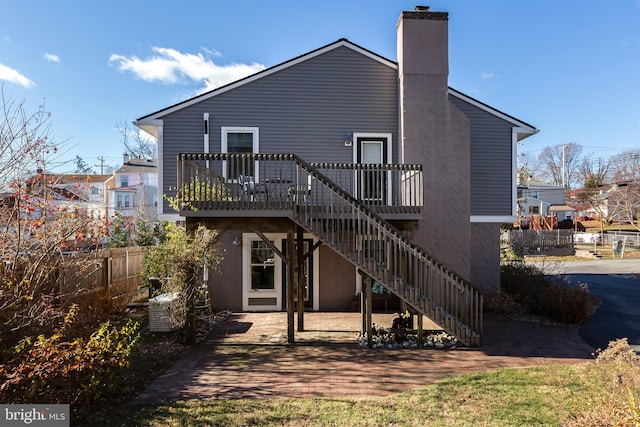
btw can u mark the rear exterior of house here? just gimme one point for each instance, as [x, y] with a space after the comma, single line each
[366, 167]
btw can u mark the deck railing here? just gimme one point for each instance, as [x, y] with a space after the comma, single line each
[347, 223]
[270, 182]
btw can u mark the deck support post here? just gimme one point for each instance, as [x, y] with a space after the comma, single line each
[368, 309]
[301, 276]
[291, 266]
[420, 335]
[363, 312]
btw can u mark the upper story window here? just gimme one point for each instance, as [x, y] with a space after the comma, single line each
[240, 140]
[124, 182]
[124, 201]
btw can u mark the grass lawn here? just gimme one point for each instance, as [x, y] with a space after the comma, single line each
[543, 396]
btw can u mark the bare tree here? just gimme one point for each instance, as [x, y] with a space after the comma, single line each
[624, 196]
[35, 225]
[594, 175]
[559, 164]
[135, 143]
[527, 167]
[625, 167]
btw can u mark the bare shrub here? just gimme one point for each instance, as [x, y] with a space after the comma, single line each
[527, 285]
[619, 351]
[503, 304]
[39, 224]
[616, 376]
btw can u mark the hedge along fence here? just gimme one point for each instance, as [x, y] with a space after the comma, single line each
[102, 281]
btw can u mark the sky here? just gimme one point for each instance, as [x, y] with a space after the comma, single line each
[570, 68]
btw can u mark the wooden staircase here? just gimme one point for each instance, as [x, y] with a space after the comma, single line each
[345, 221]
[382, 252]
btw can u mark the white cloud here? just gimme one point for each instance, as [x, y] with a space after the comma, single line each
[214, 52]
[487, 76]
[12, 76]
[170, 66]
[51, 57]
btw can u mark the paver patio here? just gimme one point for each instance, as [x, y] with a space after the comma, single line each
[247, 358]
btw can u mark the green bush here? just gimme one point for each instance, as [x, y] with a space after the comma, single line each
[60, 369]
[539, 295]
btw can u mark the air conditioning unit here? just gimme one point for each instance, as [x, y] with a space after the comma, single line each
[159, 311]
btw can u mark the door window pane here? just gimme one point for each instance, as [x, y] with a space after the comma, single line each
[371, 152]
[372, 180]
[262, 266]
[240, 143]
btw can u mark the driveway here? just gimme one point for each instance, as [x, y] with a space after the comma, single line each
[617, 284]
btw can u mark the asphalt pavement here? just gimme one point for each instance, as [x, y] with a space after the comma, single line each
[617, 283]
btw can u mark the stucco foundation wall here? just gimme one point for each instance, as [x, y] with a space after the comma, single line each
[485, 257]
[225, 285]
[337, 281]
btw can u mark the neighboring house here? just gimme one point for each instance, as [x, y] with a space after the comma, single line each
[86, 194]
[379, 168]
[619, 202]
[136, 189]
[538, 198]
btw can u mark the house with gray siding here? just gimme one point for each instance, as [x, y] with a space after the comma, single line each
[341, 168]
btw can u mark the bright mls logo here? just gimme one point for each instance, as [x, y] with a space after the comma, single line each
[37, 415]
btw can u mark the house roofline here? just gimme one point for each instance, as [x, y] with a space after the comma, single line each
[150, 121]
[144, 121]
[524, 129]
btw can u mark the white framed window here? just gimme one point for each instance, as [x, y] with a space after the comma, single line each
[261, 273]
[262, 267]
[124, 201]
[240, 140]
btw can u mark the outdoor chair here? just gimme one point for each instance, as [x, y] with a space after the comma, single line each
[253, 190]
[301, 193]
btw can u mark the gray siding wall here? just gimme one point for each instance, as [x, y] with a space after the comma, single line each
[485, 257]
[491, 161]
[306, 109]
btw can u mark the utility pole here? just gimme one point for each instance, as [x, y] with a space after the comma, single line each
[564, 180]
[101, 159]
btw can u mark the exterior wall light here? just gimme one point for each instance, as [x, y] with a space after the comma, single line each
[348, 139]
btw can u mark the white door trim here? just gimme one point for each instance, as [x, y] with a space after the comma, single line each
[356, 145]
[247, 293]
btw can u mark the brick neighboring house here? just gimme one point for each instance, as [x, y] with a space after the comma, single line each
[136, 189]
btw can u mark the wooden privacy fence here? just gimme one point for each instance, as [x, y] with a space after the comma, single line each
[103, 281]
[538, 239]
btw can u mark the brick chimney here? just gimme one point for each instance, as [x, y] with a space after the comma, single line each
[435, 133]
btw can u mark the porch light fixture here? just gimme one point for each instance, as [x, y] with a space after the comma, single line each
[237, 241]
[348, 139]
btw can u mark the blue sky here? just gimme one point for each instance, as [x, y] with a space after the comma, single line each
[571, 68]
